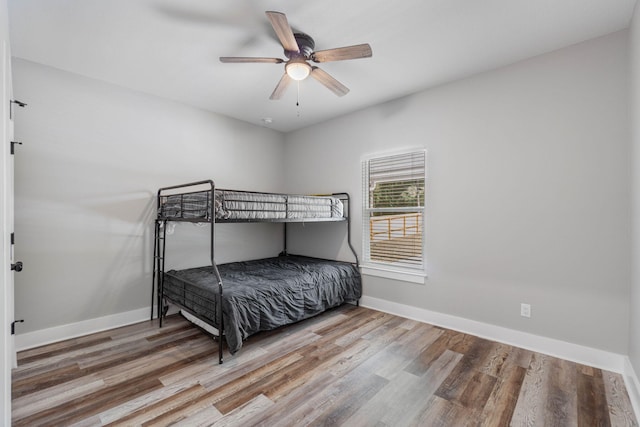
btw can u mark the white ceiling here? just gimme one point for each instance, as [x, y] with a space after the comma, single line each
[170, 48]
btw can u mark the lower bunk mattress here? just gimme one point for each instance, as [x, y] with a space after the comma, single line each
[263, 294]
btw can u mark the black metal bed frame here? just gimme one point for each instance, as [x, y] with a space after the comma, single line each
[159, 250]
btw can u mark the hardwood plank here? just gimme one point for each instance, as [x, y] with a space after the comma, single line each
[396, 403]
[587, 370]
[520, 357]
[241, 416]
[351, 392]
[117, 413]
[203, 418]
[477, 392]
[45, 380]
[134, 384]
[530, 407]
[85, 355]
[561, 393]
[103, 357]
[299, 374]
[89, 404]
[245, 363]
[115, 359]
[155, 364]
[333, 332]
[416, 340]
[57, 396]
[361, 350]
[467, 385]
[462, 343]
[501, 404]
[495, 359]
[60, 349]
[364, 329]
[240, 391]
[620, 409]
[410, 324]
[431, 353]
[388, 362]
[296, 405]
[592, 398]
[443, 413]
[166, 410]
[88, 422]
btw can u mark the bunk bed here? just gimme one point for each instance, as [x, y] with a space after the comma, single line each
[236, 300]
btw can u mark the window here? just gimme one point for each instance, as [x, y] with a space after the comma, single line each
[393, 213]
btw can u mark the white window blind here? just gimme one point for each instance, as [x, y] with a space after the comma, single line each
[393, 211]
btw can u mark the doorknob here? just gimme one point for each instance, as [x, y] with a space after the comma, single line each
[17, 266]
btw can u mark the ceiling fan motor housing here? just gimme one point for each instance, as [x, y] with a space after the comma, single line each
[305, 45]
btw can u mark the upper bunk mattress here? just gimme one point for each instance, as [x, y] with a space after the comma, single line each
[264, 294]
[247, 206]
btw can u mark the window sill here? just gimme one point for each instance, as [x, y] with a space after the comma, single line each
[388, 273]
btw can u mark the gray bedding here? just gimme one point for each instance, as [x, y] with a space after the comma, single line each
[264, 294]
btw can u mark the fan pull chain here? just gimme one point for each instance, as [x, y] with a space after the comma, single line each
[298, 99]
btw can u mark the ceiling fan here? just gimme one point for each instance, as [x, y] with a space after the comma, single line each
[298, 48]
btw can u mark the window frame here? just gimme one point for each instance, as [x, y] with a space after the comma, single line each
[407, 273]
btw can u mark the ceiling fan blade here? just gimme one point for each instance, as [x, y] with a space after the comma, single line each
[228, 59]
[342, 53]
[281, 87]
[332, 84]
[283, 30]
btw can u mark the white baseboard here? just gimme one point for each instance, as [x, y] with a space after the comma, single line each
[72, 330]
[574, 352]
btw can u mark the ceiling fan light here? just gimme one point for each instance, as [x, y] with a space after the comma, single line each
[298, 70]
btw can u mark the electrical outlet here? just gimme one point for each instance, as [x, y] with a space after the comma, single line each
[525, 310]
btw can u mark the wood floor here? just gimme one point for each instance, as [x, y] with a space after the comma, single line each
[351, 366]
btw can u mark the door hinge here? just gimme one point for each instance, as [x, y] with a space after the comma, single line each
[13, 143]
[15, 101]
[13, 238]
[13, 325]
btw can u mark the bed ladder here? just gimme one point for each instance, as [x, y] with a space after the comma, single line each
[159, 245]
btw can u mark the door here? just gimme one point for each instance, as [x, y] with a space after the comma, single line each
[7, 346]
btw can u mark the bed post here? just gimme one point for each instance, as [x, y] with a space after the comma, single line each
[162, 245]
[153, 266]
[155, 277]
[158, 264]
[284, 251]
[159, 245]
[212, 216]
[348, 199]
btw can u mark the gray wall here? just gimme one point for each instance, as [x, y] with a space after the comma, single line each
[93, 157]
[634, 51]
[528, 191]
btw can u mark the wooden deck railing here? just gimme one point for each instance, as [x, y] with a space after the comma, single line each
[400, 225]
